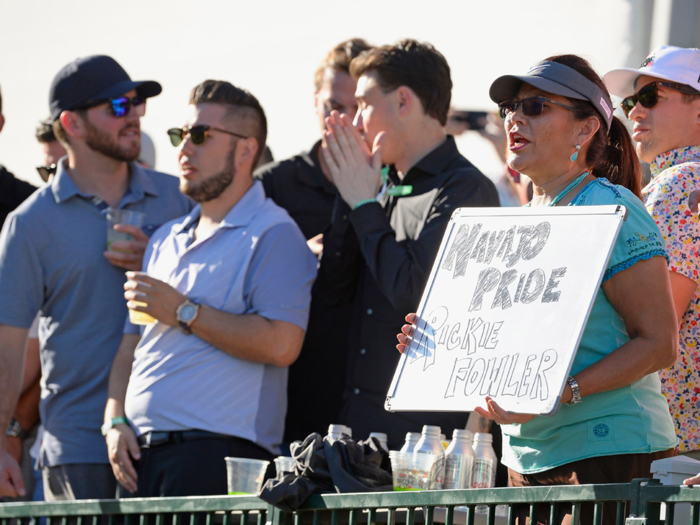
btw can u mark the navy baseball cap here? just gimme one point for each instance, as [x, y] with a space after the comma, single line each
[92, 80]
[558, 79]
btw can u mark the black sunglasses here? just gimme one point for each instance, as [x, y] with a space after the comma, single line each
[648, 96]
[46, 171]
[532, 106]
[197, 134]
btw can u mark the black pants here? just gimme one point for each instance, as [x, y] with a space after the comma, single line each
[194, 467]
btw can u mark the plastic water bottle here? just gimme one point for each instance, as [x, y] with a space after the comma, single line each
[382, 438]
[485, 461]
[459, 461]
[411, 440]
[334, 431]
[429, 443]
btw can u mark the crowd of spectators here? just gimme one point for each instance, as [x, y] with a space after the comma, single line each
[274, 289]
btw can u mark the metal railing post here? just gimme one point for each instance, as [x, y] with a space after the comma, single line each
[276, 516]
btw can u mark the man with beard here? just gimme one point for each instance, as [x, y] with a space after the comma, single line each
[53, 261]
[230, 287]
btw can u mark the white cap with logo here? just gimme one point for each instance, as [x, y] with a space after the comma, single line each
[674, 64]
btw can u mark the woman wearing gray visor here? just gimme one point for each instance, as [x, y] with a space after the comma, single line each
[562, 134]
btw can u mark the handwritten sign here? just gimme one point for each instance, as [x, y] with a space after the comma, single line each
[504, 308]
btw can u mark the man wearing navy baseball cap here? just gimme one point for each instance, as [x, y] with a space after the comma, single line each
[54, 260]
[662, 99]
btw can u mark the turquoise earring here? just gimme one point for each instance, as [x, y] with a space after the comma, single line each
[574, 156]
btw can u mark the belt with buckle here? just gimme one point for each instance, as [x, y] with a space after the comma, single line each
[155, 439]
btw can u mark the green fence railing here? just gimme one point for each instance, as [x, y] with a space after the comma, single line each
[642, 500]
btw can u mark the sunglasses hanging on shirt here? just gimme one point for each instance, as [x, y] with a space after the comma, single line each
[46, 171]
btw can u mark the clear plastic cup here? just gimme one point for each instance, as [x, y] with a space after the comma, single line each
[245, 476]
[140, 317]
[411, 471]
[284, 464]
[118, 216]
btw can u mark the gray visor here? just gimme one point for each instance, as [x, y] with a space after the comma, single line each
[558, 79]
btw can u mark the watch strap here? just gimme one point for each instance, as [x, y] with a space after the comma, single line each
[118, 420]
[575, 392]
[15, 429]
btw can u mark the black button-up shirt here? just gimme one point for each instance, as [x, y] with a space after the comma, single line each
[299, 186]
[13, 192]
[316, 379]
[379, 257]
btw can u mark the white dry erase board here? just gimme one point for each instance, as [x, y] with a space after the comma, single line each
[505, 307]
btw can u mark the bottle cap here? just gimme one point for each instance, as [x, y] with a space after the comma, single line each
[429, 430]
[461, 433]
[483, 437]
[412, 436]
[339, 429]
[379, 435]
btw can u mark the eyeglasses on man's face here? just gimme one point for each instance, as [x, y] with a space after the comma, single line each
[197, 134]
[648, 96]
[121, 106]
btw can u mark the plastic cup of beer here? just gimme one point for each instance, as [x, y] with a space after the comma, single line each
[118, 216]
[245, 476]
[139, 317]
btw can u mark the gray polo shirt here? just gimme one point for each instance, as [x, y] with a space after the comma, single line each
[51, 260]
[255, 262]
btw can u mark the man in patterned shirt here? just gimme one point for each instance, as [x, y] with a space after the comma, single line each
[663, 101]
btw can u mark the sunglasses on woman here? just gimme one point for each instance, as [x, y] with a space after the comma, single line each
[197, 134]
[648, 96]
[532, 106]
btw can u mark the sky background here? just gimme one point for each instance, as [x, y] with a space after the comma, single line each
[272, 48]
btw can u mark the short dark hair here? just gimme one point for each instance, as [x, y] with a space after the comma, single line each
[339, 58]
[243, 106]
[416, 65]
[44, 132]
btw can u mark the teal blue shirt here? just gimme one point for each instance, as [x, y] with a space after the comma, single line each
[629, 420]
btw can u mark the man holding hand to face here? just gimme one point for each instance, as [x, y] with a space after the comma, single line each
[387, 224]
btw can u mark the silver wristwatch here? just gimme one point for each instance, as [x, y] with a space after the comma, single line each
[186, 314]
[575, 392]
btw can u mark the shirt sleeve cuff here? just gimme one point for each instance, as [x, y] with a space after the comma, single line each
[131, 329]
[366, 218]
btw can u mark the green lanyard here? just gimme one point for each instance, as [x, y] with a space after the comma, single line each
[396, 191]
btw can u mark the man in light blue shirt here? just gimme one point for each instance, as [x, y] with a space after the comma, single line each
[53, 259]
[229, 286]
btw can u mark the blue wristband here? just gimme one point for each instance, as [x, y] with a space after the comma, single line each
[366, 201]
